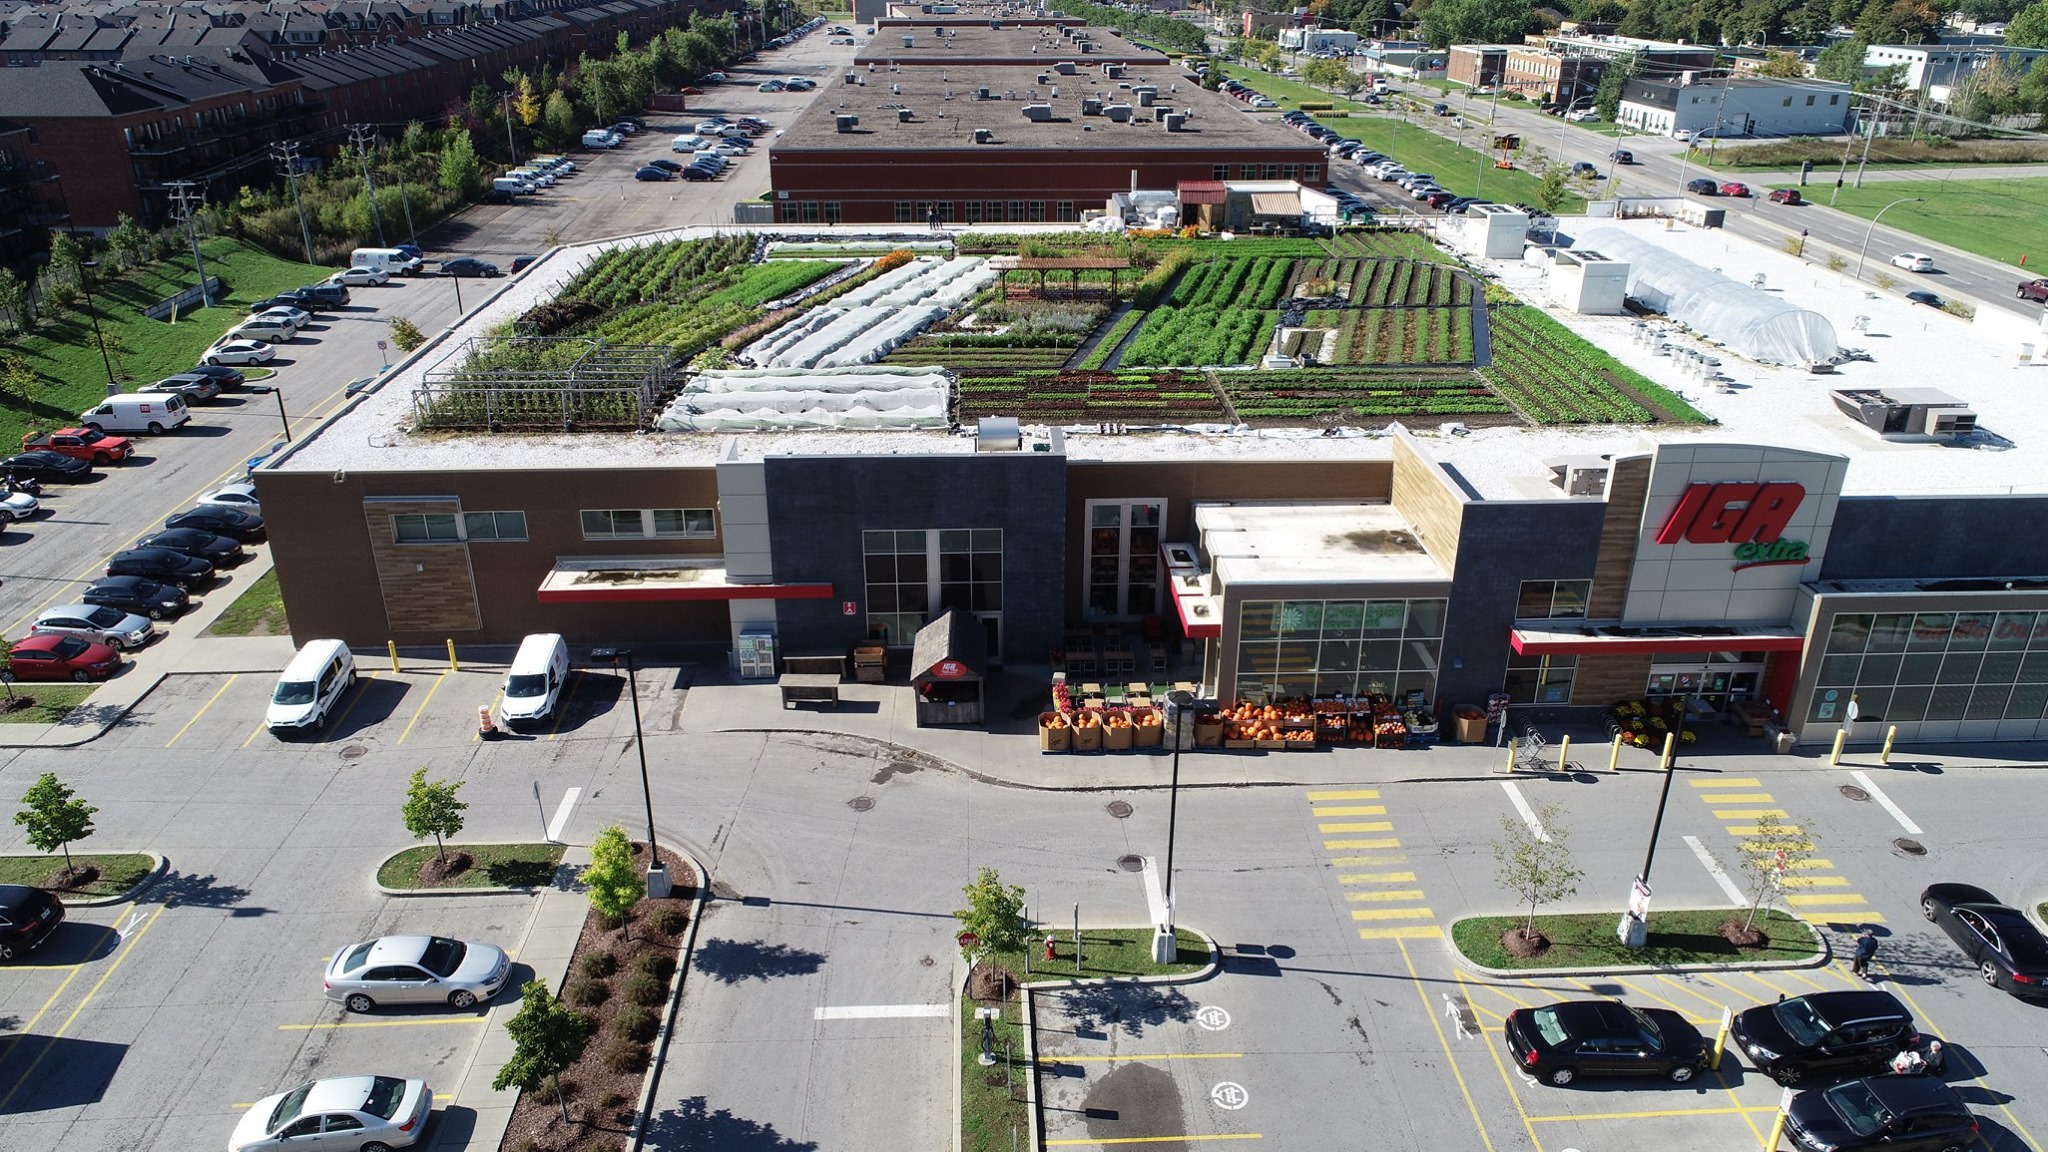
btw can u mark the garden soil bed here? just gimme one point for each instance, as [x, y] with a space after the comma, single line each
[602, 1096]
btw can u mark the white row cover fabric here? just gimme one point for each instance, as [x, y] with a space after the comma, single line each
[772, 399]
[1747, 322]
[875, 319]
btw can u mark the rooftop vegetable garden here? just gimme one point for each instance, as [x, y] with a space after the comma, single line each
[1092, 397]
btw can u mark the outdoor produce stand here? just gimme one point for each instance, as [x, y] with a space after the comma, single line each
[946, 663]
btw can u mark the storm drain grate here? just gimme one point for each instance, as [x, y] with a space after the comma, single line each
[1908, 847]
[861, 803]
[1131, 863]
[354, 752]
[1118, 808]
[1854, 793]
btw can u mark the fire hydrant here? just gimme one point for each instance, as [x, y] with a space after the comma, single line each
[486, 728]
[1050, 952]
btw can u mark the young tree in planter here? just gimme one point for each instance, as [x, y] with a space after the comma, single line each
[547, 1037]
[1767, 854]
[1538, 869]
[994, 912]
[615, 884]
[54, 816]
[431, 809]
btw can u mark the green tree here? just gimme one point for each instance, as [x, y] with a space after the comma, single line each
[1842, 61]
[994, 912]
[1988, 93]
[1767, 854]
[461, 172]
[432, 809]
[615, 884]
[526, 102]
[1613, 79]
[547, 1037]
[20, 381]
[1553, 188]
[67, 252]
[54, 816]
[558, 120]
[1448, 22]
[13, 301]
[2029, 29]
[1324, 74]
[7, 670]
[405, 334]
[1537, 867]
[1784, 65]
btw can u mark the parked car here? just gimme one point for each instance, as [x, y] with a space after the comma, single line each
[1263, 103]
[16, 506]
[192, 387]
[519, 263]
[803, 84]
[1785, 196]
[335, 294]
[137, 594]
[1439, 198]
[1586, 168]
[364, 1111]
[1923, 297]
[1583, 115]
[1735, 188]
[1824, 1033]
[1703, 187]
[294, 316]
[28, 916]
[694, 173]
[653, 172]
[239, 352]
[771, 86]
[229, 379]
[222, 551]
[237, 496]
[2009, 952]
[1440, 109]
[1560, 1042]
[44, 466]
[95, 622]
[53, 657]
[663, 163]
[163, 566]
[1914, 261]
[416, 970]
[246, 527]
[1622, 156]
[1892, 1113]
[86, 443]
[298, 298]
[361, 277]
[468, 266]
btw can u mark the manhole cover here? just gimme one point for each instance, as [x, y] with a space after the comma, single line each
[861, 803]
[1908, 847]
[1131, 863]
[354, 751]
[926, 961]
[1118, 808]
[1854, 793]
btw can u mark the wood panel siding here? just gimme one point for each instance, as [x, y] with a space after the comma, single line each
[1627, 490]
[427, 587]
[1429, 500]
[1606, 679]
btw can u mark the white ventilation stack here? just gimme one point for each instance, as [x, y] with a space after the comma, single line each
[1038, 113]
[845, 122]
[1119, 113]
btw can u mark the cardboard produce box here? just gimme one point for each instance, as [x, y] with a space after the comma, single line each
[1150, 735]
[1054, 735]
[1117, 739]
[1208, 732]
[1088, 738]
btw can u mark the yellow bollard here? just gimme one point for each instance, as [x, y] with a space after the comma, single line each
[1835, 754]
[1514, 746]
[1614, 755]
[1777, 1133]
[393, 646]
[1721, 1037]
[1890, 734]
[1564, 753]
[452, 665]
[1670, 742]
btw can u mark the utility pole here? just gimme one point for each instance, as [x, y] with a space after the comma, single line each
[405, 200]
[286, 154]
[187, 200]
[511, 145]
[361, 135]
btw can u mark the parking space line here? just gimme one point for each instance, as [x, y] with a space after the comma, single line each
[878, 1011]
[1792, 974]
[1691, 1017]
[1350, 810]
[1715, 870]
[1814, 881]
[1657, 1113]
[1436, 1022]
[260, 729]
[1493, 1050]
[424, 701]
[1527, 813]
[944, 1008]
[1681, 986]
[562, 713]
[202, 710]
[561, 818]
[1502, 992]
[1362, 861]
[1154, 1139]
[133, 941]
[1390, 894]
[1360, 845]
[1737, 798]
[1748, 813]
[1884, 801]
[29, 1027]
[1357, 826]
[354, 699]
[1846, 899]
[415, 1023]
[1377, 878]
[1352, 794]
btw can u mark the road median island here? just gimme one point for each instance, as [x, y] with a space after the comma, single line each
[1679, 940]
[469, 869]
[89, 879]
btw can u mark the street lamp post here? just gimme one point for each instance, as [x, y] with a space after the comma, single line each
[1867, 232]
[1179, 710]
[1564, 121]
[657, 876]
[269, 390]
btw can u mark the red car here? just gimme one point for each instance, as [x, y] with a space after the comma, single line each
[690, 90]
[59, 656]
[1734, 189]
[1786, 196]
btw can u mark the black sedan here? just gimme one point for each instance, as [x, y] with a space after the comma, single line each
[161, 565]
[137, 594]
[1927, 298]
[1559, 1043]
[301, 299]
[27, 918]
[694, 173]
[2009, 952]
[1892, 1113]
[468, 266]
[44, 466]
[233, 523]
[653, 173]
[229, 379]
[221, 551]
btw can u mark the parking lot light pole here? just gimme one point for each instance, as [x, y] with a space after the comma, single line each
[657, 876]
[268, 390]
[1867, 232]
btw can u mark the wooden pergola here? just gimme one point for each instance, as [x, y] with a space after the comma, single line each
[1073, 266]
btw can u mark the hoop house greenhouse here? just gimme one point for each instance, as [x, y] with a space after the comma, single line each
[1746, 321]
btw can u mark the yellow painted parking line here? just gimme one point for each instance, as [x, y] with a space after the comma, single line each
[1363, 861]
[29, 1027]
[1436, 1022]
[1390, 894]
[1657, 1114]
[1748, 832]
[1725, 782]
[1359, 845]
[1689, 990]
[1350, 810]
[1927, 1024]
[1357, 826]
[1432, 932]
[1392, 914]
[562, 713]
[246, 1105]
[1154, 1139]
[354, 699]
[1748, 813]
[202, 710]
[1353, 794]
[1739, 798]
[415, 1023]
[1739, 993]
[1499, 991]
[259, 730]
[1377, 878]
[119, 960]
[1506, 1079]
[1847, 899]
[1145, 1056]
[1814, 881]
[424, 701]
[1791, 974]
[1690, 1017]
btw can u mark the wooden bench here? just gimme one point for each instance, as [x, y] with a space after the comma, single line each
[811, 679]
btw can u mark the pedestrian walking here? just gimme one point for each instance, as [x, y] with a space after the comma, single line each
[1866, 947]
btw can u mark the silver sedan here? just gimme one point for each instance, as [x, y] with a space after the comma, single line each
[96, 622]
[357, 1113]
[416, 970]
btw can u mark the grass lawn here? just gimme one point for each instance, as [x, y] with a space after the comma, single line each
[119, 871]
[1587, 940]
[1460, 170]
[1288, 90]
[66, 358]
[495, 866]
[992, 1098]
[1106, 952]
[259, 611]
[52, 702]
[2002, 220]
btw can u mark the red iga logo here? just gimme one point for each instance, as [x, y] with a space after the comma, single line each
[1750, 516]
[948, 670]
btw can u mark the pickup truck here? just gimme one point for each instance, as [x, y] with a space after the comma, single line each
[80, 444]
[2034, 290]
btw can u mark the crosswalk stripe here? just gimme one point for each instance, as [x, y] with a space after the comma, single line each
[1815, 881]
[1351, 810]
[1377, 878]
[1389, 895]
[1822, 865]
[1744, 782]
[1392, 914]
[1432, 932]
[1359, 845]
[1351, 794]
[1748, 831]
[1360, 861]
[1747, 813]
[1358, 826]
[1741, 833]
[1739, 798]
[1846, 898]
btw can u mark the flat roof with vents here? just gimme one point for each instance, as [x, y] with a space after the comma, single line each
[972, 42]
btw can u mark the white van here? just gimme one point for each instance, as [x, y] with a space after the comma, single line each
[534, 683]
[389, 260]
[311, 686]
[151, 412]
[601, 138]
[513, 185]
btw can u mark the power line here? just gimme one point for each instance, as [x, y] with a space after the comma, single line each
[188, 201]
[286, 154]
[361, 135]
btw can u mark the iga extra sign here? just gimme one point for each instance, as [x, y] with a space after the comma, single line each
[1750, 516]
[948, 670]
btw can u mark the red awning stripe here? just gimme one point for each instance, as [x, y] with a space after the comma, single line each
[627, 595]
[1555, 644]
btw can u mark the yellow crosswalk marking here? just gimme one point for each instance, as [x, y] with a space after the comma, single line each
[1747, 813]
[1815, 881]
[1392, 914]
[1739, 798]
[1377, 878]
[1822, 865]
[1351, 794]
[1358, 826]
[1392, 894]
[1432, 932]
[1359, 845]
[1724, 782]
[1847, 898]
[1748, 831]
[1351, 810]
[1360, 861]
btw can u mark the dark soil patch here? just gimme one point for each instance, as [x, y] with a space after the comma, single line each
[17, 703]
[72, 879]
[990, 983]
[437, 870]
[1522, 943]
[1752, 937]
[601, 1100]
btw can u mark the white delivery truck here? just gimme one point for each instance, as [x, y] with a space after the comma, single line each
[392, 260]
[150, 412]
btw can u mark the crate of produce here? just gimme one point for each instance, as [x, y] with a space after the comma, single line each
[1208, 731]
[1150, 728]
[1117, 732]
[1054, 733]
[1088, 730]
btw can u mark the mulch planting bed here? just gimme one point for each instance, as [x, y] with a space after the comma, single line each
[621, 983]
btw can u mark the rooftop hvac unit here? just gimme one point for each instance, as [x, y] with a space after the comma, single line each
[1038, 113]
[909, 41]
[1066, 68]
[1121, 113]
[903, 115]
[1145, 96]
[1946, 422]
[984, 136]
[1113, 71]
[845, 122]
[1044, 78]
[851, 78]
[981, 93]
[998, 434]
[1086, 48]
[1090, 106]
[1174, 120]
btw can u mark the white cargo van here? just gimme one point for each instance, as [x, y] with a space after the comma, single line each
[390, 260]
[535, 682]
[312, 684]
[601, 138]
[513, 185]
[151, 412]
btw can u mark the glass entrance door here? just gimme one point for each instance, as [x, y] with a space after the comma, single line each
[1123, 564]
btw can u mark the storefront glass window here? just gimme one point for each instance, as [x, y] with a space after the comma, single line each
[1122, 570]
[1300, 648]
[1955, 666]
[1553, 599]
[1889, 631]
[914, 576]
[1541, 679]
